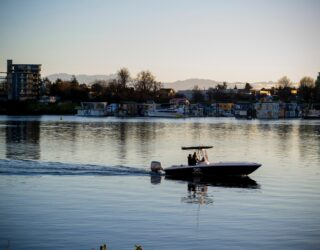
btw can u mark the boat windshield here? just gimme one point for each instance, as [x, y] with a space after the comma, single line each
[203, 156]
[199, 156]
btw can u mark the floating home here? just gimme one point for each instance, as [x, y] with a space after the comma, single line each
[92, 109]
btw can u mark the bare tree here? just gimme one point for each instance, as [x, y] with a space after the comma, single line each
[307, 82]
[284, 82]
[144, 81]
[123, 77]
[146, 86]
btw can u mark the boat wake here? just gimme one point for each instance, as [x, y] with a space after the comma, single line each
[29, 167]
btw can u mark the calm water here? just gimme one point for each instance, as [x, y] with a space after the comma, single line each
[75, 183]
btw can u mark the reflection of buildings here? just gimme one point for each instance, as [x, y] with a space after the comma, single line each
[22, 140]
[23, 81]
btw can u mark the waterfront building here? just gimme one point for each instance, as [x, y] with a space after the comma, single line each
[166, 93]
[289, 110]
[45, 99]
[130, 109]
[23, 81]
[225, 109]
[267, 110]
[183, 101]
[312, 111]
[265, 92]
[112, 108]
[243, 110]
[92, 109]
[3, 87]
[196, 110]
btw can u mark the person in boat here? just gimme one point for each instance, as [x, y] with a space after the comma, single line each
[189, 160]
[194, 158]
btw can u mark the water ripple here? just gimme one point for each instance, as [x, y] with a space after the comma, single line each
[29, 167]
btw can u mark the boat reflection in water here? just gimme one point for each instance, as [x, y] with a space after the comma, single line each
[197, 194]
[230, 181]
[197, 186]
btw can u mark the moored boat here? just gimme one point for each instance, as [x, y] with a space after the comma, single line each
[312, 112]
[166, 112]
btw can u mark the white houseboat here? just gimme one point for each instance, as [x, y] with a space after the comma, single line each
[166, 112]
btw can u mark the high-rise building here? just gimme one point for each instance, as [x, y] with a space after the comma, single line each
[23, 81]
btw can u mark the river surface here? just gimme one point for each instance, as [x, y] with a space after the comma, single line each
[75, 183]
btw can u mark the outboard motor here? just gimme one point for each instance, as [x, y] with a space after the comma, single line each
[156, 166]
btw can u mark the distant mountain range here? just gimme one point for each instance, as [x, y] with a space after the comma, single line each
[81, 78]
[206, 83]
[177, 85]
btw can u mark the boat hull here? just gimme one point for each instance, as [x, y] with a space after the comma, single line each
[213, 169]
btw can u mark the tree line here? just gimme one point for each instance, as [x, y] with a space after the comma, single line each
[144, 87]
[123, 88]
[308, 91]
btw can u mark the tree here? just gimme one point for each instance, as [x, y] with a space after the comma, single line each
[3, 87]
[248, 86]
[114, 90]
[222, 86]
[97, 90]
[74, 81]
[306, 88]
[117, 89]
[284, 82]
[317, 89]
[179, 95]
[307, 82]
[70, 90]
[210, 94]
[123, 77]
[197, 95]
[284, 89]
[144, 81]
[96, 87]
[45, 86]
[146, 86]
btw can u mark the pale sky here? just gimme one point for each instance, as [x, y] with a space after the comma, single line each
[227, 40]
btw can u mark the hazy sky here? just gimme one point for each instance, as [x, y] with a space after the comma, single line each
[227, 40]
